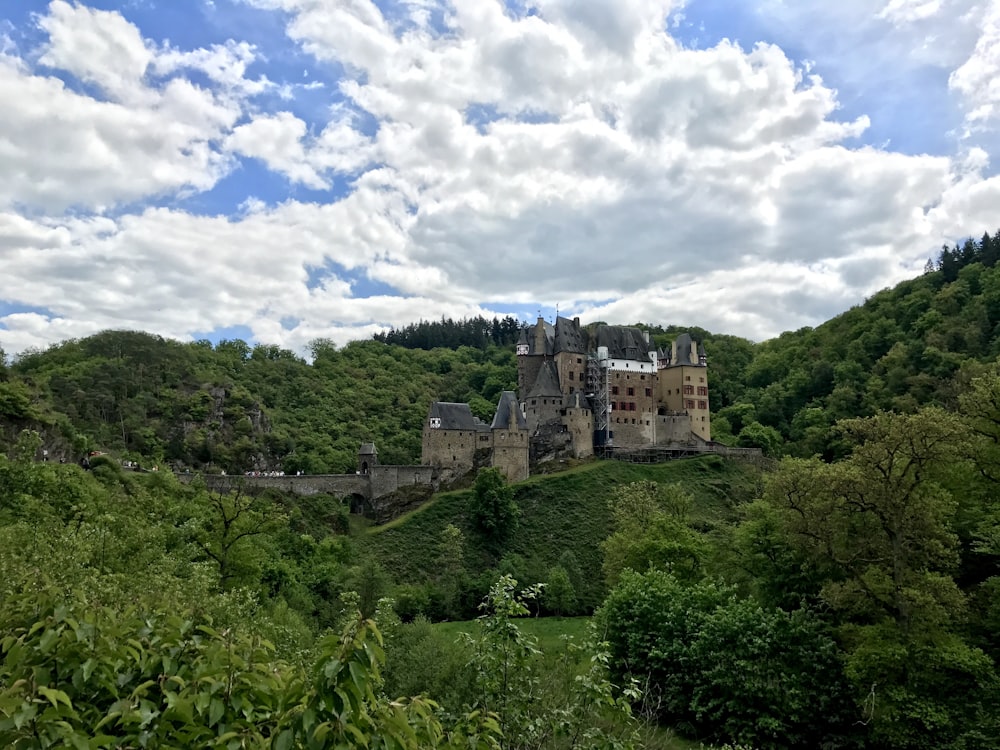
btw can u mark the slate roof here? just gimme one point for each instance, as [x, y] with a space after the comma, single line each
[368, 449]
[528, 337]
[507, 406]
[682, 345]
[454, 416]
[547, 382]
[569, 336]
[623, 342]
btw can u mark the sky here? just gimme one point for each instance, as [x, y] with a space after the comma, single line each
[286, 170]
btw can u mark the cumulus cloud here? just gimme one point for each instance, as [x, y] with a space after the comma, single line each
[483, 154]
[978, 78]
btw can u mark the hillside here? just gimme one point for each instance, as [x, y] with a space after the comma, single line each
[564, 512]
[900, 350]
[234, 407]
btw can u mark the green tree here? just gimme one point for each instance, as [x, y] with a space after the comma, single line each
[227, 527]
[559, 595]
[879, 526]
[725, 667]
[451, 566]
[651, 531]
[877, 520]
[494, 512]
[756, 435]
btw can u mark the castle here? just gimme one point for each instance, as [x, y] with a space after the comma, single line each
[578, 391]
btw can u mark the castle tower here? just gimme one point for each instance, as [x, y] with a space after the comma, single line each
[682, 385]
[367, 458]
[509, 436]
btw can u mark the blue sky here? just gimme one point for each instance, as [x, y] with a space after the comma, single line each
[281, 170]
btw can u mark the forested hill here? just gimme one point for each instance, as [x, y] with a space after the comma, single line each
[234, 406]
[237, 407]
[904, 347]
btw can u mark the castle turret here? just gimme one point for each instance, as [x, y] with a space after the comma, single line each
[682, 385]
[367, 458]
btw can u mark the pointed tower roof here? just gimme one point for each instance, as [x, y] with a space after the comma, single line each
[547, 383]
[508, 408]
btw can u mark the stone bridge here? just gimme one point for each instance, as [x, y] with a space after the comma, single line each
[364, 491]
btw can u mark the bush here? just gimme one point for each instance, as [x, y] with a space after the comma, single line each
[726, 667]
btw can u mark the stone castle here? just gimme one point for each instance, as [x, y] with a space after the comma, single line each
[579, 391]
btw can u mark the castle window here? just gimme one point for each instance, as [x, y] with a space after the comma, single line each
[631, 406]
[534, 402]
[633, 420]
[689, 390]
[435, 422]
[702, 404]
[687, 377]
[631, 391]
[579, 361]
[614, 389]
[702, 390]
[570, 374]
[689, 404]
[642, 377]
[649, 391]
[701, 380]
[572, 389]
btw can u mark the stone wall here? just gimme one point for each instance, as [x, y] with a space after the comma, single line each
[340, 485]
[388, 479]
[673, 428]
[579, 423]
[381, 481]
[510, 453]
[572, 369]
[454, 449]
[539, 411]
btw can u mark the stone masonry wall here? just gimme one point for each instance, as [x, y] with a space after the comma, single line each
[450, 448]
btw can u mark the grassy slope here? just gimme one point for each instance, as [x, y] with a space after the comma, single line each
[564, 511]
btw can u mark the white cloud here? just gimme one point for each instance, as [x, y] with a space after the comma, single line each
[281, 141]
[98, 47]
[146, 131]
[573, 154]
[978, 78]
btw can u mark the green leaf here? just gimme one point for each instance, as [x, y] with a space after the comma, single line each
[55, 696]
[215, 711]
[284, 740]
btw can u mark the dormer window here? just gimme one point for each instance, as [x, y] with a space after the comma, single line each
[435, 423]
[522, 349]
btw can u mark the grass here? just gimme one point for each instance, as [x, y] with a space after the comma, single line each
[559, 512]
[548, 630]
